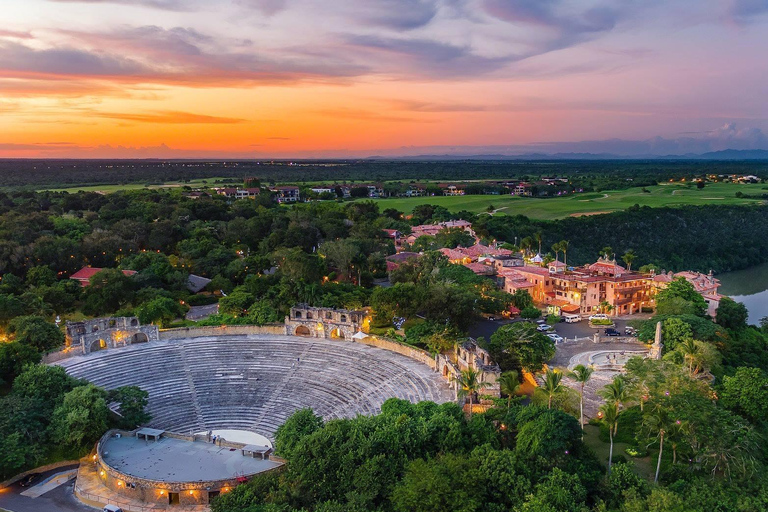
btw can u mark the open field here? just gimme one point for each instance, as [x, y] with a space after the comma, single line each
[108, 189]
[586, 203]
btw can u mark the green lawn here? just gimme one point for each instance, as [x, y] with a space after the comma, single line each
[644, 467]
[106, 189]
[586, 203]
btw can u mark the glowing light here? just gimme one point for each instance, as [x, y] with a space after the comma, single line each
[162, 492]
[191, 492]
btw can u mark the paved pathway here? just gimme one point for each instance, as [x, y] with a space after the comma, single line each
[59, 499]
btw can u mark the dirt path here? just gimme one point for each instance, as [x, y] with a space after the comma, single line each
[587, 214]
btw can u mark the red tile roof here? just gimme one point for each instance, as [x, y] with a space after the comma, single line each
[86, 273]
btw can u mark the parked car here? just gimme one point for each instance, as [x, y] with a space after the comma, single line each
[111, 508]
[630, 331]
[612, 332]
[555, 337]
[571, 319]
[30, 480]
[598, 316]
[541, 321]
[544, 327]
[492, 318]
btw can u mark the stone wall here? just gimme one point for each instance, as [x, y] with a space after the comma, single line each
[231, 330]
[418, 354]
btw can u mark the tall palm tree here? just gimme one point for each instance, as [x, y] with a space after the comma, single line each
[556, 248]
[691, 352]
[469, 383]
[564, 247]
[553, 385]
[509, 382]
[606, 252]
[537, 236]
[611, 418]
[526, 244]
[581, 374]
[657, 422]
[628, 258]
[617, 393]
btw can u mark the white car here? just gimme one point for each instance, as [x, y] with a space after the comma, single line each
[598, 316]
[555, 337]
[544, 327]
[540, 321]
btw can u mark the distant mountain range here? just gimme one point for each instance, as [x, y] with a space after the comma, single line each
[726, 154]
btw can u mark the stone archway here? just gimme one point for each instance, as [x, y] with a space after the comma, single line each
[97, 345]
[139, 337]
[303, 330]
[336, 334]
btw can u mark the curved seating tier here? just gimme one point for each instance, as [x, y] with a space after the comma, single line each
[254, 383]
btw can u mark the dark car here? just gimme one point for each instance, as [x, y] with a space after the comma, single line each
[30, 480]
[612, 332]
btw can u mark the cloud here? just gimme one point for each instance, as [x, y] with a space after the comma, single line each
[396, 14]
[266, 7]
[423, 57]
[746, 8]
[168, 5]
[169, 117]
[433, 107]
[16, 34]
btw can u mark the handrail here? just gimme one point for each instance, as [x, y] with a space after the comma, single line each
[126, 506]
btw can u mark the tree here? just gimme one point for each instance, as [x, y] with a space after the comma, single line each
[556, 248]
[41, 276]
[610, 418]
[657, 422]
[522, 300]
[236, 303]
[675, 331]
[682, 289]
[36, 332]
[298, 426]
[340, 254]
[82, 416]
[509, 383]
[110, 290]
[530, 313]
[468, 384]
[161, 310]
[606, 252]
[690, 351]
[14, 356]
[564, 247]
[731, 314]
[519, 346]
[628, 258]
[548, 433]
[538, 238]
[616, 393]
[552, 385]
[581, 374]
[132, 402]
[746, 393]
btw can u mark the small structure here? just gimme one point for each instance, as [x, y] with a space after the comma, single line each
[196, 284]
[105, 333]
[469, 355]
[331, 323]
[146, 433]
[655, 352]
[252, 450]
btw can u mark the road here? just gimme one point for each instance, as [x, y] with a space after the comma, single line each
[60, 499]
[201, 312]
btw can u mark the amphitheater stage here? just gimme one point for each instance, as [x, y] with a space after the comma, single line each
[254, 383]
[175, 460]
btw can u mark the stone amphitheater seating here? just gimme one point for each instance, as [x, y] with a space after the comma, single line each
[254, 383]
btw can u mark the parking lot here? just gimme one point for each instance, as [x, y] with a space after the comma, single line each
[486, 328]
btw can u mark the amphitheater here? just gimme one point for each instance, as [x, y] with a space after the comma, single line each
[255, 382]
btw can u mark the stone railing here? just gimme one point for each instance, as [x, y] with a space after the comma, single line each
[223, 330]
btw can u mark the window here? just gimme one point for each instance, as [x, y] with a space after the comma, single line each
[329, 315]
[343, 318]
[309, 315]
[298, 314]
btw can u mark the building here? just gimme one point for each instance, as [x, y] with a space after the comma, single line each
[330, 323]
[85, 274]
[522, 189]
[107, 333]
[168, 469]
[589, 289]
[450, 189]
[706, 284]
[286, 194]
[247, 193]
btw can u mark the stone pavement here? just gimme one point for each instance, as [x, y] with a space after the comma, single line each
[50, 483]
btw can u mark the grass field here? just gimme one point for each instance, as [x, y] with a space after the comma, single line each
[644, 466]
[107, 189]
[586, 203]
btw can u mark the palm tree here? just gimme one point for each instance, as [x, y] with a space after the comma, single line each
[526, 244]
[691, 352]
[509, 382]
[537, 237]
[606, 252]
[628, 258]
[469, 384]
[676, 432]
[611, 418]
[564, 247]
[581, 374]
[617, 393]
[556, 248]
[553, 385]
[657, 422]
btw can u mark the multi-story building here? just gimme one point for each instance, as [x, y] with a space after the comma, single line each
[286, 194]
[706, 284]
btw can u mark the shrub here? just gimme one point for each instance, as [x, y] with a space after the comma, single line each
[601, 322]
[530, 312]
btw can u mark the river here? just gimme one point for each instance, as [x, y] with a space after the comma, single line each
[750, 287]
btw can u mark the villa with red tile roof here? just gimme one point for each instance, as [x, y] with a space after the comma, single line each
[84, 275]
[706, 284]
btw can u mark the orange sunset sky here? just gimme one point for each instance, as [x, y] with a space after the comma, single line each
[301, 78]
